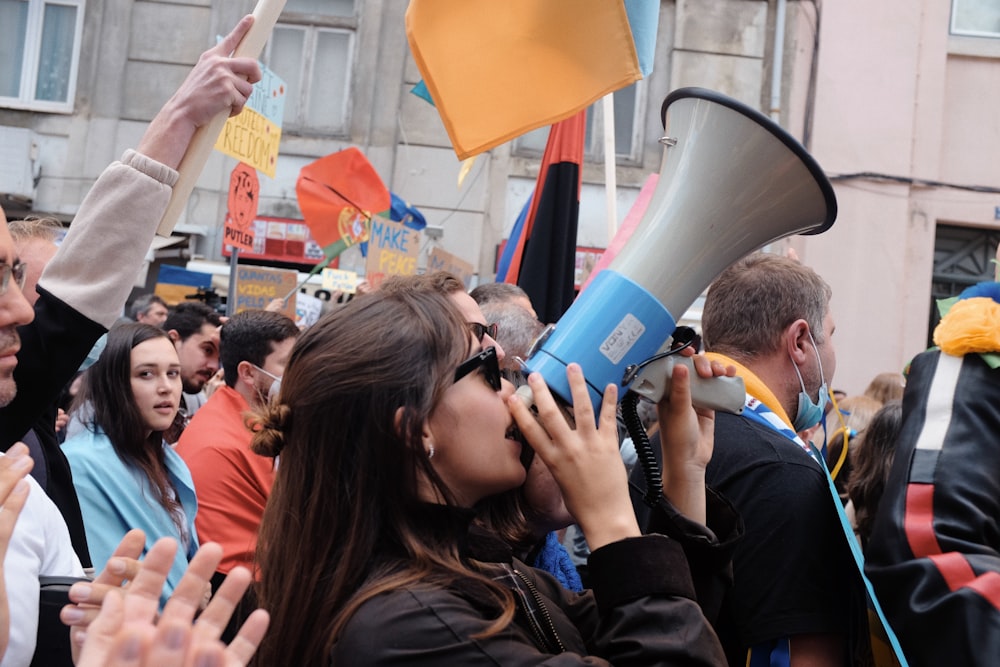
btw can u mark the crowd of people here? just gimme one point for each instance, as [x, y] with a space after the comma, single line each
[371, 490]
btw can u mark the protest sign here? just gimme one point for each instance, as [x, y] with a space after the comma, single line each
[256, 287]
[253, 135]
[244, 190]
[307, 309]
[339, 280]
[392, 250]
[441, 260]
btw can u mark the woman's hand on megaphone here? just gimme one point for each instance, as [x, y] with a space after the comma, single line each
[584, 461]
[687, 437]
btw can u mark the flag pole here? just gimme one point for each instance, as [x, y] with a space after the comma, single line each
[610, 178]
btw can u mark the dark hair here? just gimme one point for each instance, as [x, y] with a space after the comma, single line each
[142, 304]
[250, 336]
[107, 388]
[754, 300]
[872, 459]
[188, 317]
[497, 292]
[356, 393]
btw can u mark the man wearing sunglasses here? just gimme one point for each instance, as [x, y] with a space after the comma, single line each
[450, 286]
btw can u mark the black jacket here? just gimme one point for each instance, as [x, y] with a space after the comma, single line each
[641, 611]
[934, 553]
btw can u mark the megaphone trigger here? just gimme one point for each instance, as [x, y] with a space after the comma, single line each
[726, 394]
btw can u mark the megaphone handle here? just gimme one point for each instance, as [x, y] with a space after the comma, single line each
[727, 394]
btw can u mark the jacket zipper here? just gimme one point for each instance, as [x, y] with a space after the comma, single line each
[539, 633]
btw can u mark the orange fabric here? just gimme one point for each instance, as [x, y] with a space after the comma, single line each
[496, 70]
[232, 483]
[971, 325]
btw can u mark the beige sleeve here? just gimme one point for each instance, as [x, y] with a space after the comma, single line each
[99, 259]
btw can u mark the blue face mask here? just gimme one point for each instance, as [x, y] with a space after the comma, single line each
[810, 412]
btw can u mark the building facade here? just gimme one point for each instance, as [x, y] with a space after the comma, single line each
[899, 91]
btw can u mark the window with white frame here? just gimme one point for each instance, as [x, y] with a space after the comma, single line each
[40, 53]
[975, 18]
[629, 104]
[312, 50]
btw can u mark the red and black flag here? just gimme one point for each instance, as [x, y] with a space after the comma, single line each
[542, 259]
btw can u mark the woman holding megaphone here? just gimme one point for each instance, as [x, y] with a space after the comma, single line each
[393, 425]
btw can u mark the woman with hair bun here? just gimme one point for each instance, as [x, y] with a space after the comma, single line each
[393, 425]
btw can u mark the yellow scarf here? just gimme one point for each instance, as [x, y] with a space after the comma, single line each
[755, 387]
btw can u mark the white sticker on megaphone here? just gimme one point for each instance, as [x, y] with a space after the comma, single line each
[622, 338]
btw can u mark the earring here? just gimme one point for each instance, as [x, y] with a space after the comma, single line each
[430, 451]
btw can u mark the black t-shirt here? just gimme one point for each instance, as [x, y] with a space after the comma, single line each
[793, 572]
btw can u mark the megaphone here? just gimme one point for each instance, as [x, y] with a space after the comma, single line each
[731, 181]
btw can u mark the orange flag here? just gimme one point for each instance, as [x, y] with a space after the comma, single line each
[497, 70]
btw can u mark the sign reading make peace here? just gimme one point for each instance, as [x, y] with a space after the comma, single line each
[393, 249]
[254, 134]
[256, 287]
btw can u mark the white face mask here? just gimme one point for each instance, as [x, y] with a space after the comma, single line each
[810, 412]
[272, 393]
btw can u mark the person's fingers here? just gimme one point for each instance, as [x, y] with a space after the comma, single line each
[190, 591]
[680, 389]
[130, 649]
[212, 622]
[549, 414]
[235, 36]
[11, 510]
[14, 466]
[704, 367]
[170, 644]
[609, 409]
[143, 599]
[526, 421]
[583, 410]
[245, 644]
[124, 562]
[101, 633]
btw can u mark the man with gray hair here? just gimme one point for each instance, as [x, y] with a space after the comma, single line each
[149, 309]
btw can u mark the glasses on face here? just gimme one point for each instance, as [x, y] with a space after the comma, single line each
[481, 330]
[20, 272]
[487, 360]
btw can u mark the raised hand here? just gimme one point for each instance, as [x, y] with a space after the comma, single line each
[584, 460]
[128, 633]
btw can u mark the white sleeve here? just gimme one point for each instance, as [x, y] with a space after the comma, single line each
[40, 545]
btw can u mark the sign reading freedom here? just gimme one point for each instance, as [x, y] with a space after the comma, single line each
[253, 136]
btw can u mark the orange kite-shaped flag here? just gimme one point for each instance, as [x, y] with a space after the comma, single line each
[499, 69]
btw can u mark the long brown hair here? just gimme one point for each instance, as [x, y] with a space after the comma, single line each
[872, 461]
[356, 392]
[107, 388]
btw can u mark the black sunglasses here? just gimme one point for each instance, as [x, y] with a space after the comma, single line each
[480, 330]
[487, 359]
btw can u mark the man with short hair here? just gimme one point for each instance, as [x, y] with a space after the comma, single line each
[797, 596]
[232, 482]
[450, 286]
[150, 309]
[194, 329]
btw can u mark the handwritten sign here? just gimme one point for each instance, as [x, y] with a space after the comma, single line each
[440, 260]
[339, 280]
[254, 134]
[308, 310]
[256, 287]
[244, 189]
[392, 250]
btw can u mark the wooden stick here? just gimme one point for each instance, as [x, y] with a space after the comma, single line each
[265, 15]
